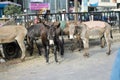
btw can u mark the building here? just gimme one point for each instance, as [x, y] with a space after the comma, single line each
[107, 4]
[4, 3]
[57, 5]
[69, 5]
[118, 3]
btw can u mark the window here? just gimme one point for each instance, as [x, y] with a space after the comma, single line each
[105, 0]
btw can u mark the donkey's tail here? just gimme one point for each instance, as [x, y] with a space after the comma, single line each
[111, 34]
[28, 40]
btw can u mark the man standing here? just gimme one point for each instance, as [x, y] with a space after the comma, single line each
[64, 15]
[63, 19]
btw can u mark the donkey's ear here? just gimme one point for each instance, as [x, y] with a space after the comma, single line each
[45, 24]
[56, 24]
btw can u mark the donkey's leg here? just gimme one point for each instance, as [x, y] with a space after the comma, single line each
[85, 38]
[80, 44]
[38, 47]
[3, 55]
[102, 40]
[55, 53]
[47, 53]
[22, 47]
[31, 47]
[62, 36]
[86, 46]
[61, 47]
[108, 41]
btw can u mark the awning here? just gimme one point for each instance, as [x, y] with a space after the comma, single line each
[93, 3]
[3, 4]
[115, 9]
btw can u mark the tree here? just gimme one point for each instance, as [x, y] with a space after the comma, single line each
[12, 10]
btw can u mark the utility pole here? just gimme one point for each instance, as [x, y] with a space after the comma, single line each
[55, 6]
[66, 5]
[76, 9]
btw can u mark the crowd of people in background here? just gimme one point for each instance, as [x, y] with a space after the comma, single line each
[61, 16]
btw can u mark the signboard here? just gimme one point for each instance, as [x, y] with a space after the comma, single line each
[38, 6]
[36, 0]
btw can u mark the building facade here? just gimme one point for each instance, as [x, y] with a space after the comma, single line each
[57, 5]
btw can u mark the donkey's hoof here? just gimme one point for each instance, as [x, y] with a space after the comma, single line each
[2, 61]
[86, 55]
[22, 60]
[31, 54]
[57, 62]
[40, 54]
[102, 46]
[108, 53]
[80, 49]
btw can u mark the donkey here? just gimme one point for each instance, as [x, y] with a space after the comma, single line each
[48, 35]
[55, 41]
[94, 28]
[11, 33]
[70, 30]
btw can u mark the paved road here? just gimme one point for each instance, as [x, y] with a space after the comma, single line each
[73, 67]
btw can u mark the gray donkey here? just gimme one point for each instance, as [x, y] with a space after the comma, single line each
[93, 28]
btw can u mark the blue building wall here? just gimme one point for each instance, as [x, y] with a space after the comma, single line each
[2, 9]
[1, 12]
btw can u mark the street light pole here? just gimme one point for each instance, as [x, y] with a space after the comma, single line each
[55, 6]
[66, 5]
[76, 9]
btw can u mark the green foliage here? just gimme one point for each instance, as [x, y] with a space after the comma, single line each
[12, 9]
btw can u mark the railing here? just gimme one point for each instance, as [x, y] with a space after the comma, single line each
[112, 17]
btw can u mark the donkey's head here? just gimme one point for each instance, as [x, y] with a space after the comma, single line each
[51, 33]
[72, 30]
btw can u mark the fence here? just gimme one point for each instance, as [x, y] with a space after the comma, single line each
[112, 17]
